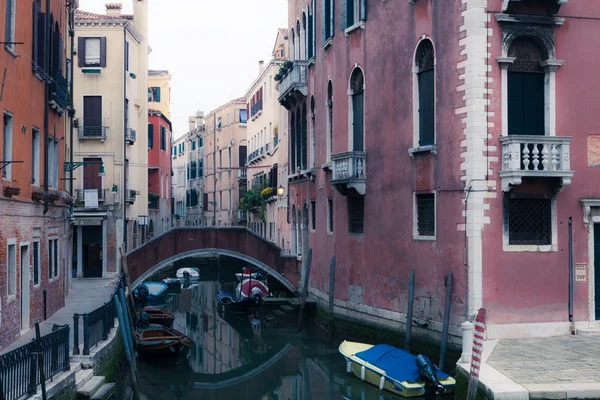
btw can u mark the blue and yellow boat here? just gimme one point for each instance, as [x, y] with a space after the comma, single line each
[391, 369]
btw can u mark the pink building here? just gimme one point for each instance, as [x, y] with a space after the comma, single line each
[159, 172]
[445, 146]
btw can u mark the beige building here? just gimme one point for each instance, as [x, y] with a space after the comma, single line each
[268, 148]
[179, 180]
[221, 183]
[110, 96]
[195, 170]
[159, 91]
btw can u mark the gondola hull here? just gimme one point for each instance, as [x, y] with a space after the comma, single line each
[159, 317]
[162, 344]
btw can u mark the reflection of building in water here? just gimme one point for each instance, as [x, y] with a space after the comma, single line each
[202, 296]
[221, 342]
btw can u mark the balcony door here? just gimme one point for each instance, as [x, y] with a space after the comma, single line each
[597, 269]
[92, 116]
[91, 174]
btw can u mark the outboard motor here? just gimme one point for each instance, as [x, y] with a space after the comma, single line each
[427, 369]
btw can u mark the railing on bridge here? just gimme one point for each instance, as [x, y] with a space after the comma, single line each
[19, 368]
[96, 324]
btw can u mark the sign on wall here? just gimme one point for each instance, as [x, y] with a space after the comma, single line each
[90, 197]
[88, 222]
[580, 272]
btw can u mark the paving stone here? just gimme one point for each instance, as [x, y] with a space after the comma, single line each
[545, 391]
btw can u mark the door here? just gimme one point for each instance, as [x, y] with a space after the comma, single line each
[92, 251]
[358, 110]
[25, 288]
[597, 269]
[92, 116]
[526, 108]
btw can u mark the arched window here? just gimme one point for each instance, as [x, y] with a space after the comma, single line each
[292, 45]
[298, 134]
[357, 110]
[425, 68]
[329, 120]
[304, 38]
[293, 142]
[294, 234]
[304, 143]
[299, 41]
[526, 106]
[313, 132]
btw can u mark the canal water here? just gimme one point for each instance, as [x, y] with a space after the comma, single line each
[260, 356]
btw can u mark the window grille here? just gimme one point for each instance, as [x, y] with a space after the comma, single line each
[529, 221]
[356, 214]
[426, 214]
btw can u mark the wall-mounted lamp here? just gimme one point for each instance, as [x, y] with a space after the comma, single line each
[280, 191]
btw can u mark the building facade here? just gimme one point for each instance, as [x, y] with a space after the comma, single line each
[110, 96]
[159, 174]
[225, 153]
[451, 143]
[179, 181]
[267, 151]
[159, 91]
[34, 102]
[195, 170]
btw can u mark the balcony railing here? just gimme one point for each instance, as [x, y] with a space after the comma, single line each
[130, 136]
[242, 174]
[256, 108]
[130, 196]
[80, 194]
[293, 86]
[58, 92]
[535, 156]
[91, 129]
[350, 171]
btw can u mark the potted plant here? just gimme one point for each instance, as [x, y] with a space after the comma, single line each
[37, 195]
[10, 191]
[53, 195]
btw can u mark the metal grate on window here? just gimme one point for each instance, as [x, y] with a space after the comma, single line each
[426, 214]
[529, 221]
[329, 215]
[313, 214]
[356, 214]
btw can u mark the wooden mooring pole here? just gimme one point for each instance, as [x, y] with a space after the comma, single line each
[331, 298]
[448, 304]
[409, 311]
[305, 290]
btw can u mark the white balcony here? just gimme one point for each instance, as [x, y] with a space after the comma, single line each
[293, 86]
[350, 172]
[525, 156]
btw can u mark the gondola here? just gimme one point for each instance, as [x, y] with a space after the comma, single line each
[159, 316]
[233, 304]
[162, 344]
[149, 292]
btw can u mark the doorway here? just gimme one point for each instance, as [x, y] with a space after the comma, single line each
[92, 251]
[25, 287]
[597, 269]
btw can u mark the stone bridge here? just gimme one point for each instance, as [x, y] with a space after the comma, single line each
[237, 242]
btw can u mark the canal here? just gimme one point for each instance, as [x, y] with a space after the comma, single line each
[257, 356]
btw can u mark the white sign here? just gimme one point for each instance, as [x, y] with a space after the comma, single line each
[88, 222]
[90, 197]
[143, 220]
[580, 272]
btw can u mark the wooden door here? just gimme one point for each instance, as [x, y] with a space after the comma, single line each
[92, 116]
[91, 177]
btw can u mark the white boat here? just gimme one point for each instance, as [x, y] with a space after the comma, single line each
[194, 274]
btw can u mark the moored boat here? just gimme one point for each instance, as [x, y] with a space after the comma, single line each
[233, 304]
[194, 273]
[162, 343]
[159, 316]
[150, 291]
[393, 369]
[252, 288]
[246, 274]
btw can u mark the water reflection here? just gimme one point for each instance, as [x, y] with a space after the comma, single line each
[247, 357]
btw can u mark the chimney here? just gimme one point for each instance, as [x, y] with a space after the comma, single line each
[113, 9]
[261, 66]
[192, 123]
[199, 118]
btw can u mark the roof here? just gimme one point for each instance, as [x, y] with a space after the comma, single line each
[86, 15]
[158, 113]
[158, 72]
[284, 32]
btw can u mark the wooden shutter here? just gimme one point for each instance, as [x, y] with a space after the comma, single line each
[313, 43]
[324, 21]
[363, 10]
[8, 27]
[41, 39]
[350, 13]
[533, 102]
[34, 24]
[426, 107]
[343, 14]
[309, 50]
[358, 110]
[103, 51]
[597, 268]
[91, 178]
[61, 55]
[150, 136]
[331, 18]
[81, 52]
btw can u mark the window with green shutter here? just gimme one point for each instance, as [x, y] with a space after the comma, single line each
[426, 82]
[150, 136]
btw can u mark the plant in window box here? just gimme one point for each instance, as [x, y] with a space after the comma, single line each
[78, 203]
[278, 77]
[37, 195]
[69, 200]
[10, 191]
[53, 195]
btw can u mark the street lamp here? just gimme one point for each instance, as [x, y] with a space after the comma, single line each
[280, 191]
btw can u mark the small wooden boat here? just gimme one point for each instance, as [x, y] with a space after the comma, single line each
[194, 273]
[159, 316]
[162, 343]
[233, 304]
[252, 288]
[392, 369]
[150, 291]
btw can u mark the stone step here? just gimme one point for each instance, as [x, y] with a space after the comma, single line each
[82, 377]
[75, 367]
[286, 308]
[588, 332]
[90, 388]
[270, 317]
[278, 313]
[105, 392]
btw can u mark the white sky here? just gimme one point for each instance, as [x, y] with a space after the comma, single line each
[211, 48]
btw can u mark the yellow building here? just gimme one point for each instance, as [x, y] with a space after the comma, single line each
[110, 141]
[159, 91]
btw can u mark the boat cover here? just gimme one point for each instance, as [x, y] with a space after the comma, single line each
[397, 364]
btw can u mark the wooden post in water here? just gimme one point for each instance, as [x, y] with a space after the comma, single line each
[449, 280]
[331, 298]
[305, 290]
[409, 311]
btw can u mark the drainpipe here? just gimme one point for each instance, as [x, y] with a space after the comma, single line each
[48, 49]
[72, 110]
[124, 139]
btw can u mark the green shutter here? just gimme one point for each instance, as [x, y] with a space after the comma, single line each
[309, 50]
[343, 14]
[526, 112]
[597, 268]
[358, 110]
[331, 18]
[350, 13]
[150, 136]
[324, 20]
[363, 10]
[426, 108]
[313, 42]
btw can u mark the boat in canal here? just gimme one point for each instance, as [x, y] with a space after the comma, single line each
[194, 273]
[150, 292]
[234, 304]
[158, 316]
[162, 344]
[394, 370]
[252, 288]
[246, 274]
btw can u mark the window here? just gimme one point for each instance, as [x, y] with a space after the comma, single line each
[91, 51]
[356, 214]
[358, 109]
[154, 94]
[526, 106]
[330, 215]
[9, 33]
[243, 116]
[313, 214]
[229, 200]
[425, 205]
[175, 150]
[126, 56]
[52, 258]
[39, 28]
[12, 267]
[220, 200]
[425, 103]
[529, 220]
[327, 12]
[193, 145]
[228, 119]
[35, 157]
[200, 168]
[163, 138]
[92, 117]
[36, 263]
[200, 142]
[151, 138]
[304, 139]
[355, 11]
[311, 31]
[7, 145]
[219, 123]
[53, 162]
